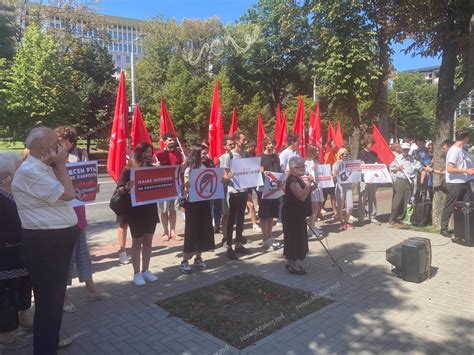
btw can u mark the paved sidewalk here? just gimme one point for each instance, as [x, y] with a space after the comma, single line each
[374, 311]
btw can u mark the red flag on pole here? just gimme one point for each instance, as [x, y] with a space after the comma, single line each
[284, 129]
[139, 131]
[331, 135]
[318, 133]
[166, 125]
[298, 126]
[381, 147]
[278, 127]
[339, 137]
[233, 125]
[311, 138]
[260, 135]
[116, 158]
[216, 128]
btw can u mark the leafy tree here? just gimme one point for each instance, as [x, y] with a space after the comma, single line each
[7, 39]
[39, 88]
[346, 67]
[413, 105]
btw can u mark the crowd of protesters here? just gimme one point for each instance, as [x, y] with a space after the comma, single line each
[46, 238]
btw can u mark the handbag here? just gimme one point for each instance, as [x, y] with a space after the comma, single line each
[120, 204]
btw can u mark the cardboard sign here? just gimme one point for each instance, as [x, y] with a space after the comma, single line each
[206, 184]
[348, 171]
[246, 173]
[84, 180]
[321, 174]
[375, 174]
[154, 184]
[274, 185]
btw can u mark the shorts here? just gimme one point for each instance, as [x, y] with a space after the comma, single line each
[121, 219]
[267, 208]
[329, 191]
[166, 206]
[317, 195]
[142, 226]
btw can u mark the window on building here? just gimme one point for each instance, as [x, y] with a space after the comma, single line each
[130, 48]
[127, 59]
[58, 25]
[120, 35]
[115, 47]
[118, 58]
[120, 47]
[115, 34]
[129, 36]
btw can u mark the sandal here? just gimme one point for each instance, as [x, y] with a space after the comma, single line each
[99, 296]
[296, 271]
[69, 308]
[177, 237]
[342, 228]
[165, 237]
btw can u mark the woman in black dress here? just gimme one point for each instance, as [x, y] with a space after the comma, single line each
[296, 207]
[198, 231]
[15, 284]
[141, 219]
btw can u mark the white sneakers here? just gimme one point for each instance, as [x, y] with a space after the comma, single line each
[256, 228]
[271, 243]
[123, 258]
[140, 277]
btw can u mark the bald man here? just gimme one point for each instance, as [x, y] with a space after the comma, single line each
[42, 189]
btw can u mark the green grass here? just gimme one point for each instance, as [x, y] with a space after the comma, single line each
[244, 308]
[11, 146]
[425, 229]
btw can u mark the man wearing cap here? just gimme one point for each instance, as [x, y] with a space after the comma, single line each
[404, 169]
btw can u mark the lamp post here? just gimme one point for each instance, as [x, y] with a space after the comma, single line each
[396, 117]
[132, 69]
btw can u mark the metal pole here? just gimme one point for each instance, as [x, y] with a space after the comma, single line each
[132, 64]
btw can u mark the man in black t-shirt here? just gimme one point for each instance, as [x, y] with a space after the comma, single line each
[367, 192]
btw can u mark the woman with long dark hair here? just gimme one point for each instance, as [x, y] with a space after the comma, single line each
[198, 231]
[141, 219]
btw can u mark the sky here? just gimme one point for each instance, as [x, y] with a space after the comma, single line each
[229, 11]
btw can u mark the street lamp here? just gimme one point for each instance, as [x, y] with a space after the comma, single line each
[396, 117]
[132, 65]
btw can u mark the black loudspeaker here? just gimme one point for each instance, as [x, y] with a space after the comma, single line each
[464, 223]
[411, 258]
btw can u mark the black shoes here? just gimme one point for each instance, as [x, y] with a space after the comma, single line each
[445, 233]
[242, 250]
[231, 254]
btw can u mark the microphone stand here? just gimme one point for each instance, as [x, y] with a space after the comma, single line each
[318, 233]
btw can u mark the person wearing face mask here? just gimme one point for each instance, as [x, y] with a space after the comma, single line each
[169, 155]
[141, 219]
[81, 258]
[42, 189]
[459, 179]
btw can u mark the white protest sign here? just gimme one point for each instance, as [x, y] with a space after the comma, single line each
[348, 171]
[84, 180]
[273, 186]
[375, 174]
[246, 173]
[323, 176]
[206, 184]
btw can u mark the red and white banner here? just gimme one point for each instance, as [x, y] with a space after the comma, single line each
[348, 171]
[273, 186]
[206, 184]
[321, 173]
[375, 174]
[84, 179]
[154, 184]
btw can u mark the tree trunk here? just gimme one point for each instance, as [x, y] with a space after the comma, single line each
[355, 139]
[88, 140]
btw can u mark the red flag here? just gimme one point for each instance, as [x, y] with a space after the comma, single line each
[166, 125]
[284, 129]
[116, 158]
[233, 125]
[318, 133]
[260, 135]
[278, 127]
[311, 137]
[216, 128]
[139, 131]
[339, 137]
[298, 126]
[381, 147]
[331, 134]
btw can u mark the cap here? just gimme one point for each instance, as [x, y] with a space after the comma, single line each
[406, 146]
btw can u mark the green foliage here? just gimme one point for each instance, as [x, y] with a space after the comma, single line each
[414, 106]
[7, 37]
[39, 90]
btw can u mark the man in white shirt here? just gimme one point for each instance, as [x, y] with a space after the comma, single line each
[42, 189]
[293, 142]
[459, 172]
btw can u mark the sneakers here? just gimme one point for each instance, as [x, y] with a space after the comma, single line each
[274, 244]
[199, 263]
[445, 233]
[279, 224]
[231, 254]
[376, 222]
[138, 279]
[267, 243]
[123, 258]
[256, 228]
[147, 275]
[242, 250]
[185, 268]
